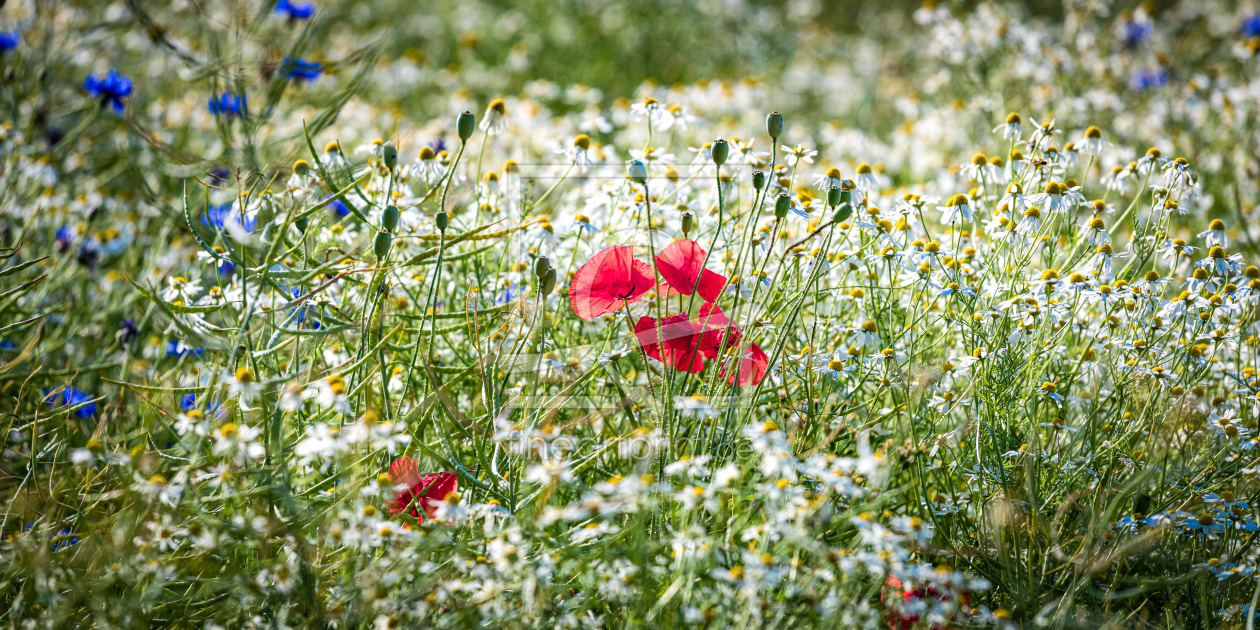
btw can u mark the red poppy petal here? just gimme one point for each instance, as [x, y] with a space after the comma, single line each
[436, 488]
[607, 281]
[642, 279]
[404, 470]
[645, 332]
[680, 264]
[711, 285]
[689, 361]
[752, 367]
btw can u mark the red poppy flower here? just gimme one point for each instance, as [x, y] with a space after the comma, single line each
[676, 343]
[422, 490]
[899, 618]
[684, 344]
[681, 264]
[752, 367]
[611, 278]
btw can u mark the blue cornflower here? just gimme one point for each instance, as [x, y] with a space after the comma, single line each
[296, 10]
[1145, 78]
[69, 397]
[111, 89]
[65, 238]
[188, 402]
[229, 105]
[9, 41]
[226, 268]
[339, 207]
[61, 533]
[1251, 25]
[508, 294]
[128, 330]
[302, 70]
[1136, 32]
[226, 219]
[178, 349]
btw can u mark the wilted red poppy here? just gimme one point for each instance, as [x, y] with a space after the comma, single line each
[681, 264]
[611, 278]
[422, 490]
[896, 594]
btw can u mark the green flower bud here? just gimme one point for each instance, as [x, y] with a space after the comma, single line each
[549, 282]
[541, 265]
[720, 151]
[782, 204]
[759, 179]
[382, 244]
[302, 223]
[464, 126]
[637, 172]
[688, 222]
[389, 218]
[442, 220]
[390, 156]
[774, 125]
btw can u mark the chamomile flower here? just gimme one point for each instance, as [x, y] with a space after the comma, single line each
[1215, 234]
[797, 154]
[1093, 144]
[1010, 129]
[495, 120]
[957, 210]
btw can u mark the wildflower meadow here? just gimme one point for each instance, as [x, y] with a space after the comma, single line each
[583, 314]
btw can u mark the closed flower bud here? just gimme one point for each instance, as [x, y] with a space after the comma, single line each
[389, 155]
[382, 244]
[781, 205]
[389, 218]
[541, 265]
[688, 222]
[759, 180]
[637, 172]
[720, 151]
[465, 125]
[774, 125]
[302, 223]
[442, 220]
[549, 282]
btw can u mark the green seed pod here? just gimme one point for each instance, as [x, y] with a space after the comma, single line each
[720, 151]
[842, 213]
[774, 125]
[549, 282]
[465, 125]
[541, 265]
[782, 204]
[759, 179]
[688, 222]
[442, 220]
[389, 155]
[637, 172]
[382, 244]
[389, 218]
[833, 196]
[302, 223]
